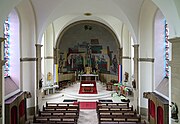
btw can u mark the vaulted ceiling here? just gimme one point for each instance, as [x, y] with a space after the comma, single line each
[113, 13]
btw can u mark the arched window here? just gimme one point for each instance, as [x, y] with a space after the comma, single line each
[161, 54]
[12, 53]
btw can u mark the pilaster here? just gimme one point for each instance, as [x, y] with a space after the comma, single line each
[175, 71]
[136, 76]
[38, 72]
[136, 65]
[1, 82]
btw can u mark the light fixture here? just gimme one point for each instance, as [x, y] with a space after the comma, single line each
[87, 14]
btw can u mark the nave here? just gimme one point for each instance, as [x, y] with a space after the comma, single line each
[86, 115]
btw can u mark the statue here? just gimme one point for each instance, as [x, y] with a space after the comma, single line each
[126, 77]
[174, 111]
[134, 83]
[40, 83]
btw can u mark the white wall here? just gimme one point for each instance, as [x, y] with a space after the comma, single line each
[126, 51]
[27, 49]
[146, 49]
[48, 52]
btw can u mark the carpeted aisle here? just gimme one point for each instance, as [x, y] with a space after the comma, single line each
[87, 105]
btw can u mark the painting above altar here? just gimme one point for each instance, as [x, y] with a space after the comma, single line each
[95, 48]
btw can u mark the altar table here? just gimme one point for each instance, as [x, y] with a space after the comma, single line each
[88, 77]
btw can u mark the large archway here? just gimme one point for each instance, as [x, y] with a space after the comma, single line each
[88, 43]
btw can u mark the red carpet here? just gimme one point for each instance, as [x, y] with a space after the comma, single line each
[87, 105]
[88, 89]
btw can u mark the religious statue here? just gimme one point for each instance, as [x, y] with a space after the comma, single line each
[88, 70]
[40, 83]
[49, 76]
[134, 83]
[115, 64]
[174, 111]
[126, 77]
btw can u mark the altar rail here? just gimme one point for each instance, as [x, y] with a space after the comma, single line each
[108, 77]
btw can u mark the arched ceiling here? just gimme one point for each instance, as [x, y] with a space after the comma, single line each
[126, 11]
[113, 23]
[108, 11]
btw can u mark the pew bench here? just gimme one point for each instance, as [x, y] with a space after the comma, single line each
[121, 105]
[119, 118]
[58, 113]
[61, 104]
[61, 108]
[55, 119]
[116, 112]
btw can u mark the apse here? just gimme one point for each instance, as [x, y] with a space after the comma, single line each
[88, 43]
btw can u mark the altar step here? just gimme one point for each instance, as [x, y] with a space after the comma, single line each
[90, 96]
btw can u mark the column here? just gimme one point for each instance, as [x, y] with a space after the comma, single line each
[2, 110]
[136, 74]
[48, 54]
[136, 64]
[126, 58]
[175, 71]
[38, 72]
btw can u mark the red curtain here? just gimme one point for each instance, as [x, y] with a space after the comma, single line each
[21, 108]
[152, 109]
[160, 115]
[14, 115]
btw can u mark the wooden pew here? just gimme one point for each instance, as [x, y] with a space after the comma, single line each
[116, 112]
[121, 105]
[61, 107]
[61, 113]
[55, 119]
[58, 113]
[119, 118]
[61, 104]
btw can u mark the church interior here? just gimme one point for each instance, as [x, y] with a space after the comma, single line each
[89, 61]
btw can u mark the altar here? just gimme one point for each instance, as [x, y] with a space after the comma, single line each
[87, 77]
[87, 87]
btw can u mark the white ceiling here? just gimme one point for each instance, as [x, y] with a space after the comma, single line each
[126, 11]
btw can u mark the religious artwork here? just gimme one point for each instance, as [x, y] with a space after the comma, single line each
[40, 83]
[90, 55]
[49, 76]
[134, 84]
[174, 111]
[115, 64]
[89, 44]
[126, 77]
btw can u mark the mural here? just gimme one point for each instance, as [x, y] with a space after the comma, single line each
[89, 55]
[88, 44]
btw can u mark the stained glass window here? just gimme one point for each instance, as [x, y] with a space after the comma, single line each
[166, 50]
[6, 47]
